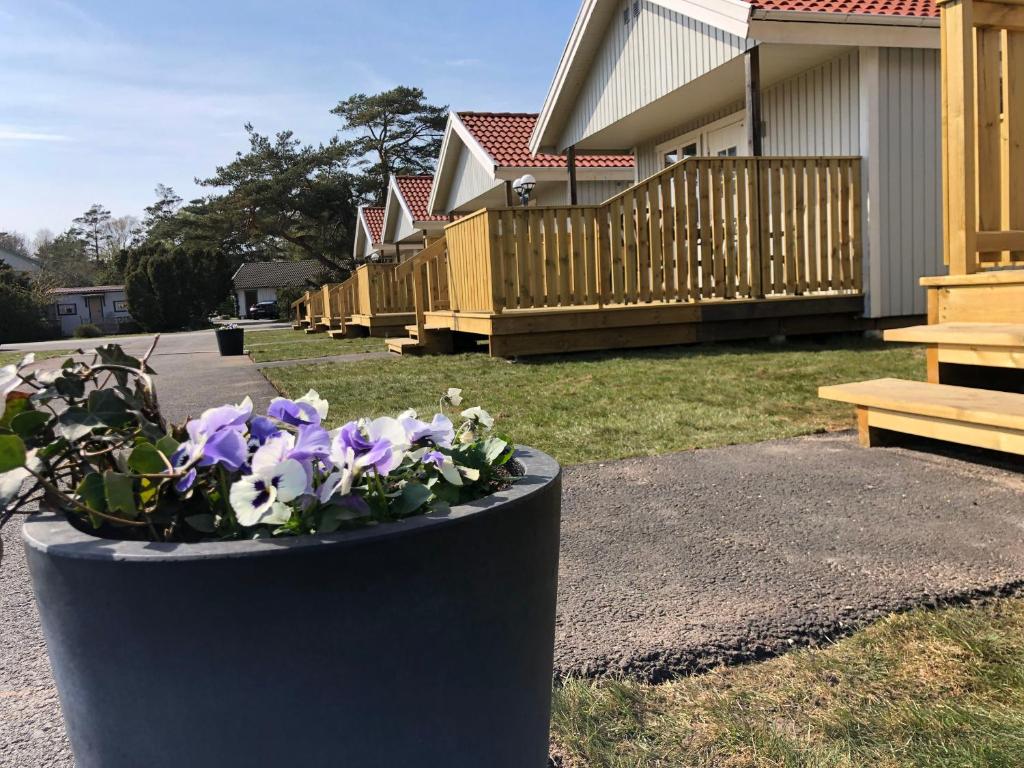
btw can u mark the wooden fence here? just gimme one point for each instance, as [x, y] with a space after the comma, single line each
[983, 134]
[703, 228]
[430, 272]
[382, 290]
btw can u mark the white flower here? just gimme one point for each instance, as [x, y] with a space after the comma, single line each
[9, 381]
[313, 398]
[454, 396]
[262, 497]
[28, 359]
[339, 483]
[480, 416]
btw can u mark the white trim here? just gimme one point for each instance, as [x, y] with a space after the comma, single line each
[845, 29]
[732, 16]
[446, 160]
[699, 135]
[560, 173]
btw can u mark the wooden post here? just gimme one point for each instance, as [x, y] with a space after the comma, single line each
[959, 146]
[570, 158]
[752, 65]
[509, 201]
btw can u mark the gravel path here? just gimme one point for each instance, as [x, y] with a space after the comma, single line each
[683, 562]
[670, 564]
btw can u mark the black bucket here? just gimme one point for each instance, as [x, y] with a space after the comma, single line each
[231, 341]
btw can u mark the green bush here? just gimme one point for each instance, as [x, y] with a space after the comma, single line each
[173, 289]
[87, 331]
[24, 309]
[285, 298]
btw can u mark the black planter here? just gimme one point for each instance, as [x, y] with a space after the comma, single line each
[422, 643]
[231, 341]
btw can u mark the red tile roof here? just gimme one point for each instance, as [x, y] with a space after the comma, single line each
[416, 191]
[374, 218]
[506, 137]
[871, 7]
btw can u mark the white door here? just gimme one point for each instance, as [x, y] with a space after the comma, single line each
[727, 140]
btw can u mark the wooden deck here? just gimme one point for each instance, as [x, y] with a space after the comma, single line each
[975, 331]
[708, 249]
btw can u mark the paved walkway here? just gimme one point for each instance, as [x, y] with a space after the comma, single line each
[670, 564]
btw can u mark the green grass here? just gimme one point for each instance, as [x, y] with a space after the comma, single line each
[271, 346]
[935, 689]
[613, 405]
[6, 358]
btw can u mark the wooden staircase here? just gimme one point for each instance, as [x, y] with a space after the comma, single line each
[974, 394]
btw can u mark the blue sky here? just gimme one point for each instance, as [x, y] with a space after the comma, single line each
[102, 99]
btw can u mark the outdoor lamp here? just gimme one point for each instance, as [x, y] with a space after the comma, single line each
[523, 186]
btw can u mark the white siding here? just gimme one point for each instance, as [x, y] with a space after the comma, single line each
[596, 192]
[469, 181]
[816, 112]
[651, 56]
[909, 179]
[262, 294]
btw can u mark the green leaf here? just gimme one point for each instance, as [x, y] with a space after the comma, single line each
[109, 408]
[12, 453]
[204, 523]
[16, 405]
[76, 423]
[414, 496]
[145, 459]
[120, 493]
[167, 445]
[90, 493]
[29, 422]
[494, 447]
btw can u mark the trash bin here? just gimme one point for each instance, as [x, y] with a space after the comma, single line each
[231, 341]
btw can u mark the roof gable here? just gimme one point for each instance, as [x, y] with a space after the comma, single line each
[372, 219]
[746, 20]
[277, 274]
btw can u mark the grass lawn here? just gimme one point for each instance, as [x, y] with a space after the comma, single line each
[270, 346]
[7, 358]
[593, 407]
[930, 688]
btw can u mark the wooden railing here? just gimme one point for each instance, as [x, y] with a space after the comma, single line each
[316, 306]
[430, 273]
[703, 228]
[983, 134]
[381, 290]
[300, 308]
[344, 299]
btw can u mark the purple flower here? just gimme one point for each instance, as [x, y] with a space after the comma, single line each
[262, 429]
[308, 409]
[217, 437]
[379, 445]
[226, 447]
[434, 457]
[440, 431]
[312, 442]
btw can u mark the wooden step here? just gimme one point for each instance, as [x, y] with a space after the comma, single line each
[962, 334]
[977, 417]
[403, 345]
[337, 333]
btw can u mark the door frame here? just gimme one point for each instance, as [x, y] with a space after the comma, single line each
[88, 307]
[700, 137]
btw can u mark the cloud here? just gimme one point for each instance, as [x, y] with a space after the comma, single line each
[16, 134]
[459, 63]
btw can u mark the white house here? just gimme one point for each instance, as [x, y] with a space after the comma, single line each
[19, 263]
[484, 152]
[664, 79]
[104, 306]
[369, 244]
[260, 281]
[408, 223]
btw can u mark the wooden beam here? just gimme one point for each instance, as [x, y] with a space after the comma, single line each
[752, 66]
[1005, 240]
[509, 198]
[570, 159]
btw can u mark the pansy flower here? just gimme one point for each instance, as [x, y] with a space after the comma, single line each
[308, 409]
[262, 498]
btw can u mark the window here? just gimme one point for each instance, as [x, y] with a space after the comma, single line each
[636, 8]
[671, 158]
[730, 152]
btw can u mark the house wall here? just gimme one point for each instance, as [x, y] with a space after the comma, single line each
[596, 192]
[19, 263]
[262, 294]
[469, 181]
[651, 56]
[109, 322]
[902, 92]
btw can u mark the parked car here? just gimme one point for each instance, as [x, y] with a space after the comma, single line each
[264, 310]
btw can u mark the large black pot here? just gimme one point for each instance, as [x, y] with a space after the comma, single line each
[231, 341]
[422, 643]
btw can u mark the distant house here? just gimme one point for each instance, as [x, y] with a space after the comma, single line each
[484, 152]
[369, 243]
[408, 223]
[261, 280]
[104, 306]
[19, 263]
